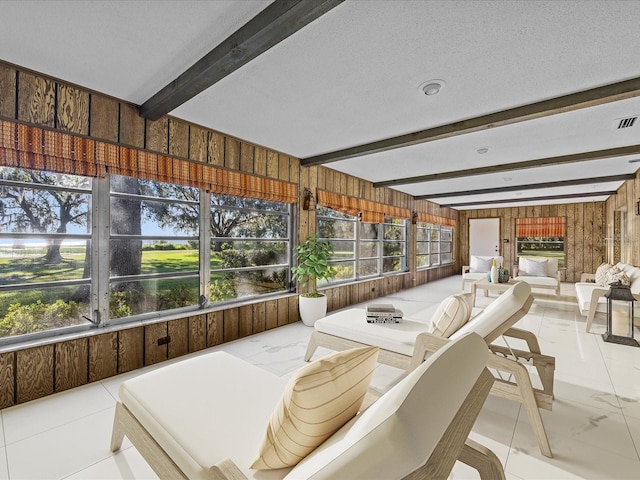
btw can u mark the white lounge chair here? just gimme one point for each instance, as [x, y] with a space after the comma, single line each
[204, 418]
[405, 345]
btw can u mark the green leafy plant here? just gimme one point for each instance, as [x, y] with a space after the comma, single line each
[313, 263]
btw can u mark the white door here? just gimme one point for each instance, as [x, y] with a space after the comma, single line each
[484, 236]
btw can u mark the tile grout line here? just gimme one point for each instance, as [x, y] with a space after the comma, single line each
[626, 422]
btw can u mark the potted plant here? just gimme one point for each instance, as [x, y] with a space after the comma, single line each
[313, 264]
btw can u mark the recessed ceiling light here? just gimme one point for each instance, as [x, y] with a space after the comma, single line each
[482, 150]
[431, 87]
[507, 179]
[635, 160]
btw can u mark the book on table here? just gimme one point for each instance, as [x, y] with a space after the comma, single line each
[383, 313]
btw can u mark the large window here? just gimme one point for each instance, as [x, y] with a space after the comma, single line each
[249, 247]
[543, 237]
[434, 245]
[45, 251]
[154, 246]
[362, 249]
[77, 250]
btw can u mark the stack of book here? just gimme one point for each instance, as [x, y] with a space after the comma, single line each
[383, 313]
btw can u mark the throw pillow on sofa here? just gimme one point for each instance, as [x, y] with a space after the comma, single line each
[601, 274]
[533, 268]
[319, 399]
[480, 265]
[614, 274]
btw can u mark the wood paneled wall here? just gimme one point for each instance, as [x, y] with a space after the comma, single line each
[30, 373]
[584, 244]
[623, 206]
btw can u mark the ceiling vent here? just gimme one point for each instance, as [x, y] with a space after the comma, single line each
[628, 122]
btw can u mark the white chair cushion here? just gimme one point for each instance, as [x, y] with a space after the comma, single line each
[583, 296]
[318, 400]
[482, 264]
[551, 266]
[497, 311]
[452, 313]
[215, 426]
[533, 268]
[352, 324]
[398, 433]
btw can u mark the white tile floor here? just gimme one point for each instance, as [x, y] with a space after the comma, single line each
[594, 428]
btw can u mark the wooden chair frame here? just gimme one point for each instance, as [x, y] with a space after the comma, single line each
[503, 360]
[454, 445]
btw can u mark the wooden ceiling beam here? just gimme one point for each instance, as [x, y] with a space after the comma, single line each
[508, 167]
[276, 22]
[532, 186]
[566, 103]
[532, 199]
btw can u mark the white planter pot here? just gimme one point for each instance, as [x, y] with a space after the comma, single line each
[312, 309]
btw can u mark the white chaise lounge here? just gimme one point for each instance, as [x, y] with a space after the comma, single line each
[405, 345]
[204, 418]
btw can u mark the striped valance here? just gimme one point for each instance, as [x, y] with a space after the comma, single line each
[26, 146]
[365, 210]
[435, 219]
[541, 227]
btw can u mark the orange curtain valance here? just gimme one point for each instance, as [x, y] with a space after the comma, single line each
[435, 219]
[365, 210]
[26, 146]
[541, 227]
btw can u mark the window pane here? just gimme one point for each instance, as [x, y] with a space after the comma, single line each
[422, 261]
[446, 234]
[39, 212]
[392, 264]
[343, 271]
[369, 231]
[393, 248]
[435, 259]
[232, 285]
[40, 309]
[218, 201]
[422, 234]
[368, 267]
[445, 247]
[159, 256]
[144, 296]
[368, 249]
[329, 228]
[435, 247]
[327, 212]
[394, 232]
[37, 261]
[422, 248]
[343, 249]
[237, 254]
[446, 258]
[248, 224]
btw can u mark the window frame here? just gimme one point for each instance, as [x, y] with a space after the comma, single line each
[430, 228]
[357, 259]
[99, 235]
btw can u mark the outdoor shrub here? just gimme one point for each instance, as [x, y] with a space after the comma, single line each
[178, 297]
[222, 289]
[233, 258]
[38, 316]
[119, 305]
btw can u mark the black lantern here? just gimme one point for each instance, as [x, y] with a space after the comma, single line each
[620, 302]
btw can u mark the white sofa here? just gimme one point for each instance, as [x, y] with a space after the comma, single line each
[547, 278]
[204, 418]
[478, 268]
[590, 295]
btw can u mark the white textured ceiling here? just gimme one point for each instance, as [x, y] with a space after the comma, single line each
[352, 77]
